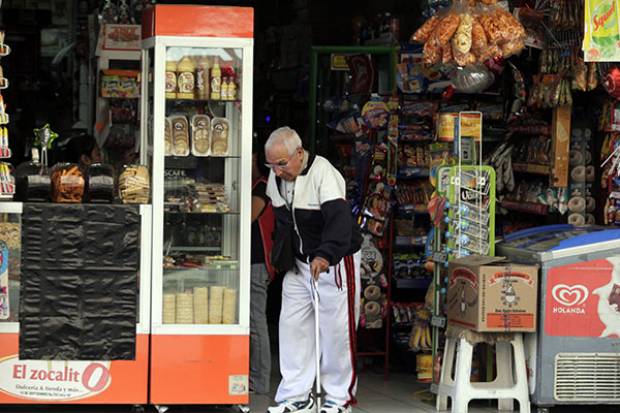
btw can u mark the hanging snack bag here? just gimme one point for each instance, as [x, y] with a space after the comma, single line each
[220, 136]
[201, 135]
[100, 183]
[134, 185]
[68, 183]
[180, 135]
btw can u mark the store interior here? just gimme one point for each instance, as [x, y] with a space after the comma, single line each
[462, 128]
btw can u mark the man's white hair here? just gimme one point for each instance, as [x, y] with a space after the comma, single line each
[284, 136]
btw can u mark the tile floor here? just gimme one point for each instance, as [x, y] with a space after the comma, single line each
[402, 394]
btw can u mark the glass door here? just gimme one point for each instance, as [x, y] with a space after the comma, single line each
[202, 135]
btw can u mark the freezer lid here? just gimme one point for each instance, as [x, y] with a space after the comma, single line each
[548, 241]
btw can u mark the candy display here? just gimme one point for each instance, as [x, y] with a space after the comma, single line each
[134, 185]
[68, 183]
[7, 181]
[466, 35]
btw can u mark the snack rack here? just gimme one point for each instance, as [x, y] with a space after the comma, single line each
[7, 181]
[463, 214]
[196, 121]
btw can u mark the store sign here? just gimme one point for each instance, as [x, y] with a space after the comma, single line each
[53, 380]
[583, 299]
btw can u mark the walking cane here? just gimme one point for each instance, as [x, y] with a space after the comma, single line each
[315, 294]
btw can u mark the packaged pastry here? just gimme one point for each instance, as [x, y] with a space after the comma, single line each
[134, 185]
[168, 138]
[68, 183]
[220, 136]
[100, 183]
[201, 135]
[180, 135]
[32, 182]
[423, 33]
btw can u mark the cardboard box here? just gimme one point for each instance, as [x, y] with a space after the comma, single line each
[488, 294]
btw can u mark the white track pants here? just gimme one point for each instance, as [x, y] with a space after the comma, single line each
[339, 297]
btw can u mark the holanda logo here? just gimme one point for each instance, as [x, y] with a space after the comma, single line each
[570, 295]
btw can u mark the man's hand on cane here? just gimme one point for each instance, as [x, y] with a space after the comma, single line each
[317, 266]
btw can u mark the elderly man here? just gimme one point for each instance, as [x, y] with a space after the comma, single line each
[309, 192]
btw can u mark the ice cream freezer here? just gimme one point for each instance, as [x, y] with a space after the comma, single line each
[574, 358]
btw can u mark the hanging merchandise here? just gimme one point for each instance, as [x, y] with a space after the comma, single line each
[611, 82]
[473, 79]
[465, 35]
[601, 35]
[362, 74]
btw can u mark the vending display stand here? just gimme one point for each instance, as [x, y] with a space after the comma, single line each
[196, 115]
[62, 381]
[573, 358]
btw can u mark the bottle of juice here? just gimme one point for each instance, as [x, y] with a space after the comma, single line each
[216, 81]
[604, 25]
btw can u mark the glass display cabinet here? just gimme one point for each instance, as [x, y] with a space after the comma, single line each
[196, 112]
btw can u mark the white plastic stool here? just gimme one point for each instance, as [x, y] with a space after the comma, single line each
[506, 387]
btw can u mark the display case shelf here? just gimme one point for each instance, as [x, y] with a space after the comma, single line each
[181, 100]
[201, 213]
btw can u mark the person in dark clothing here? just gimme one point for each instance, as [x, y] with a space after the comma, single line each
[261, 273]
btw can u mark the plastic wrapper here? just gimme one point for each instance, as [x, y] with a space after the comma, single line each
[180, 135]
[220, 137]
[473, 32]
[134, 184]
[79, 278]
[479, 42]
[432, 52]
[446, 29]
[68, 183]
[473, 79]
[201, 135]
[33, 183]
[423, 33]
[100, 183]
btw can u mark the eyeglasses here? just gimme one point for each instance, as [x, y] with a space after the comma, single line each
[281, 164]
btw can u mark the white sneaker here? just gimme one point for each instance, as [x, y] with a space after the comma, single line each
[331, 407]
[304, 406]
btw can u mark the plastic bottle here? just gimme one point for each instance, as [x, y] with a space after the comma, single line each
[202, 79]
[171, 80]
[224, 89]
[232, 89]
[185, 79]
[216, 81]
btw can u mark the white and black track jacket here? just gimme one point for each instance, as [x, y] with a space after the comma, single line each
[322, 216]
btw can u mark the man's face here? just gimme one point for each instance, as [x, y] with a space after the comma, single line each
[285, 166]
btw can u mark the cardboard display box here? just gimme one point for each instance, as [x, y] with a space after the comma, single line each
[488, 294]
